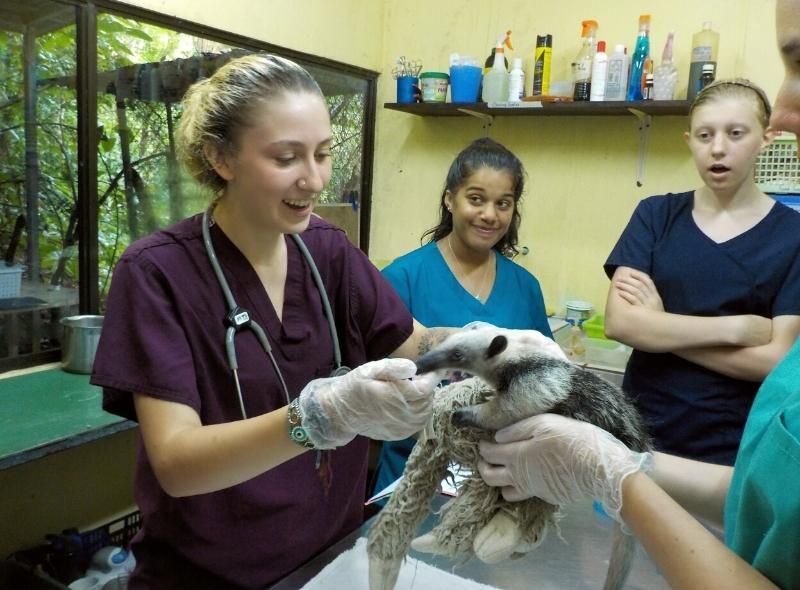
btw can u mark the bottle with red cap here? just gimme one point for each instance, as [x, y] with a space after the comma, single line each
[599, 73]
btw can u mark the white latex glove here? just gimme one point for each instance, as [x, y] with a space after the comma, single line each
[560, 460]
[533, 337]
[379, 400]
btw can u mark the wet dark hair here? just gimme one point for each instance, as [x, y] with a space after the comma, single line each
[482, 153]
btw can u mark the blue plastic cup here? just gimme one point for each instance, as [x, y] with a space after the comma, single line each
[405, 89]
[465, 83]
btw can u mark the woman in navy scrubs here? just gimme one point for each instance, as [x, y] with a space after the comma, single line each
[706, 284]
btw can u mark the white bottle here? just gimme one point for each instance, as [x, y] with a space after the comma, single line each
[495, 81]
[599, 72]
[516, 81]
[617, 78]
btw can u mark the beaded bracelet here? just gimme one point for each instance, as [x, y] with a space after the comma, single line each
[297, 433]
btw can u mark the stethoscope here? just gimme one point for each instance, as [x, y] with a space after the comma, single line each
[238, 318]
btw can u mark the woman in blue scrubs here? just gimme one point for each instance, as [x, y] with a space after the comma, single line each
[560, 460]
[464, 272]
[706, 284]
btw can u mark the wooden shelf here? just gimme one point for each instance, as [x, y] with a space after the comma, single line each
[571, 109]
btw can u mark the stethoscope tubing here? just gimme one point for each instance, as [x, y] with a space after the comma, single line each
[239, 318]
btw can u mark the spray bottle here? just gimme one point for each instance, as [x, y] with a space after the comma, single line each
[582, 66]
[495, 81]
[489, 63]
[641, 59]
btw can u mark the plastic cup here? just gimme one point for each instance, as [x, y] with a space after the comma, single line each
[465, 83]
[405, 89]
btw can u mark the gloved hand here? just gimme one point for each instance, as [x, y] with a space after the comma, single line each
[560, 460]
[534, 337]
[378, 399]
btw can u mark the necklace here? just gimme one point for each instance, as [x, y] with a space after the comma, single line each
[464, 275]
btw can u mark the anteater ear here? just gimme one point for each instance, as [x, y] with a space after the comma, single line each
[498, 345]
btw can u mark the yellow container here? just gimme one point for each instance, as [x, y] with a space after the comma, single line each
[595, 327]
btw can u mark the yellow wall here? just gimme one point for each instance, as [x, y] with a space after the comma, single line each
[581, 188]
[582, 171]
[349, 31]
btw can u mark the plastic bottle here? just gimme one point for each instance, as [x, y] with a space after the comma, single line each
[705, 44]
[541, 67]
[495, 81]
[665, 76]
[576, 345]
[599, 72]
[487, 65]
[617, 78]
[639, 60]
[647, 91]
[582, 66]
[706, 76]
[516, 81]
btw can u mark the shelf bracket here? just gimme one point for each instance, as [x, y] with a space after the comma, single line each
[645, 122]
[486, 120]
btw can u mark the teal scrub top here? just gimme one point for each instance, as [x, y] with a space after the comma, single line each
[762, 510]
[434, 297]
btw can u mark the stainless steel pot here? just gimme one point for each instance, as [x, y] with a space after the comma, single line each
[80, 335]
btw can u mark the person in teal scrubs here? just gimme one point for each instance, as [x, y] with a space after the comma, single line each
[757, 501]
[464, 272]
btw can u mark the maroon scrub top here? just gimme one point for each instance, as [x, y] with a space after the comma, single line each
[164, 336]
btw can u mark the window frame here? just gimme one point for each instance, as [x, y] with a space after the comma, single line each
[86, 14]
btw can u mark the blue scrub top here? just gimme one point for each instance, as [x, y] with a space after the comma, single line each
[690, 410]
[436, 299]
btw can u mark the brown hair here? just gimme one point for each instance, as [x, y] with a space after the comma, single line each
[217, 108]
[734, 88]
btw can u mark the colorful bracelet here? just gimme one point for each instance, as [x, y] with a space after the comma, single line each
[297, 433]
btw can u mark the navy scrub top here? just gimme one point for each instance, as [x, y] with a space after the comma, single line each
[690, 410]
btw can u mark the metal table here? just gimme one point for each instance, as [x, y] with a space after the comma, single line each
[577, 560]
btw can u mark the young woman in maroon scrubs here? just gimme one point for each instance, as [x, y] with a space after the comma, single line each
[227, 501]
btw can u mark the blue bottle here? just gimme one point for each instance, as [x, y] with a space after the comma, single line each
[640, 58]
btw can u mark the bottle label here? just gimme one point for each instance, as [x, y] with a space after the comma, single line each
[541, 71]
[702, 53]
[582, 70]
[614, 80]
[582, 91]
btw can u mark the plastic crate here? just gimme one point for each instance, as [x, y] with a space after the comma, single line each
[778, 167]
[118, 532]
[10, 280]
